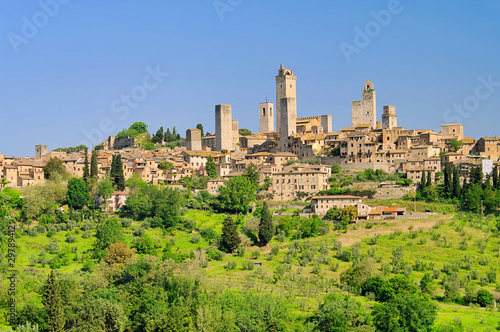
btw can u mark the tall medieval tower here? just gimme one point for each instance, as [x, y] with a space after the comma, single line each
[285, 88]
[389, 118]
[365, 111]
[223, 127]
[266, 117]
[288, 121]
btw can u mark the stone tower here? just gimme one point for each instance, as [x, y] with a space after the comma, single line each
[235, 134]
[223, 127]
[40, 150]
[285, 88]
[326, 123]
[365, 111]
[266, 117]
[389, 118]
[193, 140]
[288, 108]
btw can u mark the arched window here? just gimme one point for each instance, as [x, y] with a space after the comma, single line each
[270, 111]
[264, 111]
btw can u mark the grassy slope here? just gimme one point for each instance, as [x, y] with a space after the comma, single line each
[303, 293]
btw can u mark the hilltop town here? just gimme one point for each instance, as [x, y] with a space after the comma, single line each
[277, 151]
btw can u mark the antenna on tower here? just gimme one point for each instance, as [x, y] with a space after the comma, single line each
[266, 99]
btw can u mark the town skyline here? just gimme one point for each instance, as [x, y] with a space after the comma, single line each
[63, 88]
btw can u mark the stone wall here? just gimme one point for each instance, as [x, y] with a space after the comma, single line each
[266, 117]
[288, 108]
[193, 140]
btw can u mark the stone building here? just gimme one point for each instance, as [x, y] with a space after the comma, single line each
[223, 127]
[266, 117]
[193, 140]
[40, 150]
[288, 114]
[389, 118]
[365, 111]
[285, 88]
[321, 204]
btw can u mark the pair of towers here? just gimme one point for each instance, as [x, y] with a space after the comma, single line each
[286, 108]
[364, 112]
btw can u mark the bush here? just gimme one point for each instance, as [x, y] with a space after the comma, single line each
[231, 265]
[247, 265]
[216, 255]
[208, 234]
[42, 229]
[241, 251]
[140, 231]
[71, 225]
[52, 228]
[87, 234]
[146, 224]
[484, 298]
[195, 238]
[126, 222]
[87, 226]
[70, 239]
[53, 247]
[189, 225]
[275, 250]
[255, 254]
[32, 231]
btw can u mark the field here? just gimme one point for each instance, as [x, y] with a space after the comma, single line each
[448, 247]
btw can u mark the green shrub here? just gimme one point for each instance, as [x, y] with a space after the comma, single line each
[70, 239]
[195, 238]
[216, 255]
[126, 222]
[231, 265]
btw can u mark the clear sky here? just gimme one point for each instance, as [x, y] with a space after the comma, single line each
[66, 67]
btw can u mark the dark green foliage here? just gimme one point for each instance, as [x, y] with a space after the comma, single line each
[134, 130]
[340, 313]
[252, 174]
[200, 127]
[210, 168]
[476, 175]
[108, 232]
[406, 311]
[78, 195]
[158, 137]
[236, 194]
[429, 179]
[423, 182]
[244, 132]
[54, 166]
[52, 301]
[484, 298]
[455, 145]
[94, 171]
[457, 189]
[448, 184]
[86, 169]
[266, 226]
[230, 239]
[116, 172]
[72, 149]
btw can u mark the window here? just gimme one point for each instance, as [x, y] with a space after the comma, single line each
[264, 111]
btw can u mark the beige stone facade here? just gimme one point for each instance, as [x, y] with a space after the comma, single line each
[193, 140]
[321, 204]
[223, 128]
[266, 117]
[365, 111]
[285, 88]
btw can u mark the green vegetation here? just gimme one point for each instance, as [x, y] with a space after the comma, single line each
[136, 129]
[169, 262]
[244, 132]
[72, 149]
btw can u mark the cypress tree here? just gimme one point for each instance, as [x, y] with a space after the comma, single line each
[230, 239]
[464, 187]
[448, 184]
[86, 174]
[457, 190]
[52, 302]
[119, 179]
[266, 227]
[429, 179]
[94, 171]
[423, 182]
[496, 183]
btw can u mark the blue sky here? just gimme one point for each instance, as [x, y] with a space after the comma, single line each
[66, 77]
